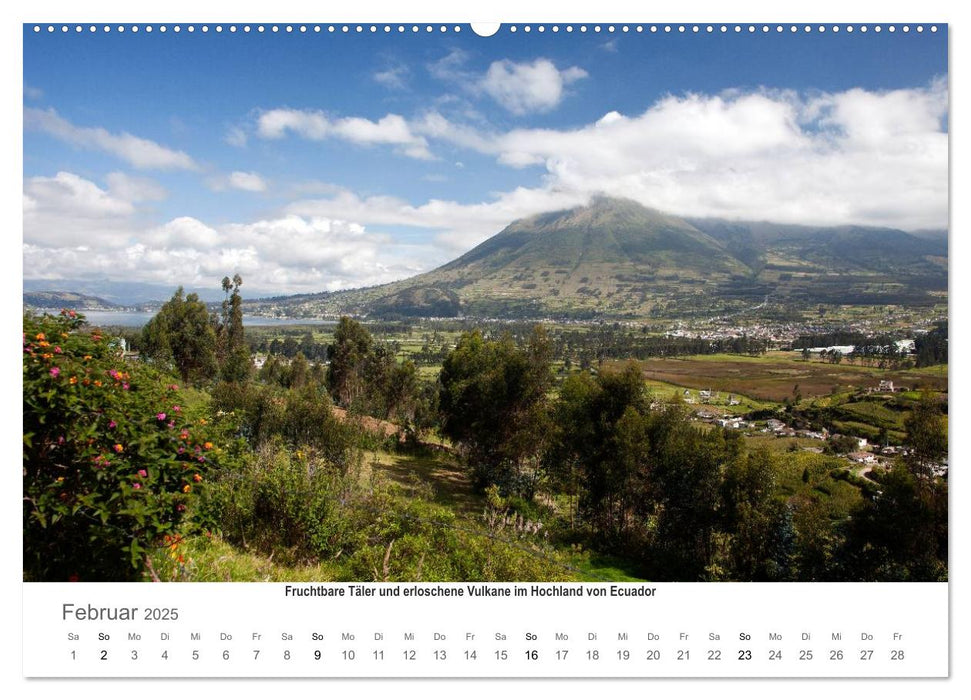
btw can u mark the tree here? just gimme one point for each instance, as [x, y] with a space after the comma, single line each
[926, 437]
[351, 348]
[686, 493]
[901, 534]
[599, 449]
[180, 336]
[762, 534]
[233, 352]
[493, 404]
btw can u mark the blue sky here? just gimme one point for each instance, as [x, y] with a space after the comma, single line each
[317, 161]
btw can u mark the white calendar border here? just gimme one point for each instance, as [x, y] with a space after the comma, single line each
[507, 10]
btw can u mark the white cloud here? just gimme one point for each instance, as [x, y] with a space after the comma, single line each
[392, 129]
[67, 210]
[249, 182]
[32, 93]
[861, 157]
[75, 230]
[134, 189]
[183, 232]
[460, 226]
[528, 87]
[235, 136]
[237, 180]
[138, 152]
[395, 77]
[451, 67]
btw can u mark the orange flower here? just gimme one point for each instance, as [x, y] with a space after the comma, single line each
[40, 336]
[73, 380]
[97, 382]
[197, 478]
[118, 447]
[207, 446]
[86, 357]
[186, 488]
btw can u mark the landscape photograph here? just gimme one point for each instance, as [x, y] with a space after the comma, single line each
[403, 303]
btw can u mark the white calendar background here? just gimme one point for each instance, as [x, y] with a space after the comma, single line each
[506, 630]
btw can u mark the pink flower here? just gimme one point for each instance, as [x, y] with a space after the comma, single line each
[160, 416]
[125, 386]
[113, 373]
[57, 349]
[142, 473]
[176, 408]
[202, 459]
[174, 387]
[55, 371]
[136, 485]
[112, 424]
[180, 508]
[171, 424]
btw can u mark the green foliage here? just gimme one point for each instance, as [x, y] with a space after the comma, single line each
[181, 337]
[600, 447]
[300, 417]
[111, 463]
[927, 437]
[493, 401]
[282, 501]
[901, 534]
[232, 351]
[302, 510]
[931, 348]
[761, 523]
[352, 346]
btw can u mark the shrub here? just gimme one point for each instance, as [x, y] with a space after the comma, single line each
[283, 502]
[111, 463]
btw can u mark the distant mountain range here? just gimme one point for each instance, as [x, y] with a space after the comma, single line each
[617, 258]
[66, 300]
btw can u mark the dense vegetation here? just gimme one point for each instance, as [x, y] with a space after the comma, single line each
[167, 466]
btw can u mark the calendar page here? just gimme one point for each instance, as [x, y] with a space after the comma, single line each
[411, 349]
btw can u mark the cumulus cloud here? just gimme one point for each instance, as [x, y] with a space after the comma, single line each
[67, 210]
[73, 229]
[392, 129]
[521, 88]
[862, 157]
[140, 153]
[528, 87]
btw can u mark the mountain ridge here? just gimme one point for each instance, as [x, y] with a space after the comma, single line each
[618, 258]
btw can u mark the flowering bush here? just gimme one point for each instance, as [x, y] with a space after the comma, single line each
[111, 462]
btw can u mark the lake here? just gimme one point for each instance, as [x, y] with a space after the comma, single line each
[137, 319]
